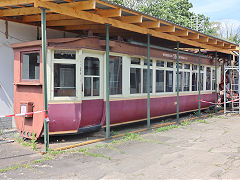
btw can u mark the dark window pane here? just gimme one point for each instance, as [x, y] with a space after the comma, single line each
[96, 86]
[91, 66]
[201, 81]
[169, 81]
[170, 64]
[213, 80]
[64, 80]
[135, 60]
[145, 62]
[208, 79]
[135, 80]
[145, 80]
[87, 86]
[115, 74]
[186, 81]
[64, 54]
[186, 66]
[30, 65]
[180, 65]
[180, 81]
[194, 81]
[159, 80]
[160, 63]
[194, 67]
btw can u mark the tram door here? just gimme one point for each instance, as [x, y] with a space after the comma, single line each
[92, 89]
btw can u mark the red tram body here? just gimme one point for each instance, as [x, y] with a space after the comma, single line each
[76, 84]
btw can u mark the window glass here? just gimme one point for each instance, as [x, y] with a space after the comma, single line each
[194, 81]
[135, 60]
[201, 81]
[213, 80]
[160, 63]
[30, 65]
[159, 80]
[64, 80]
[115, 74]
[91, 66]
[194, 67]
[186, 81]
[145, 62]
[208, 78]
[186, 66]
[201, 68]
[170, 64]
[180, 81]
[180, 65]
[145, 80]
[64, 54]
[135, 80]
[91, 76]
[169, 81]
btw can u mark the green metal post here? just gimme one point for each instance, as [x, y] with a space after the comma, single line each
[216, 82]
[107, 83]
[148, 81]
[178, 120]
[44, 61]
[199, 83]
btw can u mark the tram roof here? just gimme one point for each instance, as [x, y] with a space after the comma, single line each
[79, 16]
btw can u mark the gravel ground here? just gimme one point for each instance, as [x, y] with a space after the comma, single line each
[207, 149]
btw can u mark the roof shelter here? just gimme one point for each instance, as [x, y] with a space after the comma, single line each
[95, 17]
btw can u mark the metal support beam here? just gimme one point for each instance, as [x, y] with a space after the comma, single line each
[148, 81]
[44, 61]
[216, 83]
[178, 120]
[199, 83]
[107, 83]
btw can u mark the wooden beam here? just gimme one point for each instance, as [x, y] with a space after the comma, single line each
[81, 5]
[150, 24]
[180, 33]
[212, 41]
[20, 11]
[49, 17]
[70, 22]
[110, 12]
[227, 46]
[85, 27]
[58, 8]
[166, 29]
[132, 19]
[17, 2]
[220, 43]
[193, 36]
[203, 39]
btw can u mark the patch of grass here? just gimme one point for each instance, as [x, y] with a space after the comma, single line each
[85, 151]
[211, 116]
[185, 123]
[113, 133]
[33, 142]
[202, 121]
[165, 128]
[1, 132]
[25, 142]
[128, 137]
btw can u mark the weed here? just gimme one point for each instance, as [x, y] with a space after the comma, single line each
[211, 116]
[33, 142]
[113, 133]
[165, 128]
[185, 123]
[1, 132]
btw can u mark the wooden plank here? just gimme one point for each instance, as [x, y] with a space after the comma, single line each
[220, 43]
[227, 46]
[17, 2]
[49, 17]
[132, 19]
[203, 39]
[180, 33]
[193, 36]
[20, 11]
[150, 24]
[166, 29]
[110, 12]
[70, 22]
[212, 41]
[122, 25]
[85, 27]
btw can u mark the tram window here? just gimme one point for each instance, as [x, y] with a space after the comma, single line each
[186, 81]
[194, 67]
[201, 81]
[91, 76]
[64, 80]
[160, 63]
[169, 81]
[180, 81]
[135, 60]
[208, 78]
[135, 80]
[30, 66]
[186, 66]
[180, 65]
[194, 81]
[201, 68]
[115, 74]
[145, 80]
[64, 54]
[213, 80]
[170, 64]
[145, 62]
[159, 80]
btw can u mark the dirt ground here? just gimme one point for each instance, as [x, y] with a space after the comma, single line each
[206, 149]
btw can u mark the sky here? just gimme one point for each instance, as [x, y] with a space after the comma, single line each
[218, 10]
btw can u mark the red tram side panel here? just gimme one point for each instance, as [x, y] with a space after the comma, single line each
[82, 114]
